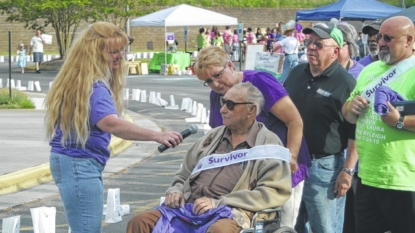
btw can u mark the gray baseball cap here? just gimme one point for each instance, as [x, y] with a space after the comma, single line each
[374, 25]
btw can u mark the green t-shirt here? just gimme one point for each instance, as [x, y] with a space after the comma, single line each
[200, 41]
[386, 154]
[218, 41]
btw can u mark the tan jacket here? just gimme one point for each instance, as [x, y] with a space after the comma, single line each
[264, 183]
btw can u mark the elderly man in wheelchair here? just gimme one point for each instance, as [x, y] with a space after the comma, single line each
[227, 176]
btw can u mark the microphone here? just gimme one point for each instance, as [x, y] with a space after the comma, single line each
[185, 133]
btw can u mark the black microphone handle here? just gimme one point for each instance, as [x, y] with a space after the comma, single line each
[185, 133]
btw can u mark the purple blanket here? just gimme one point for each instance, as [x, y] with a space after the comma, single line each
[383, 95]
[183, 220]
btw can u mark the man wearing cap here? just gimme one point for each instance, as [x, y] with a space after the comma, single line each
[372, 31]
[385, 193]
[290, 45]
[318, 89]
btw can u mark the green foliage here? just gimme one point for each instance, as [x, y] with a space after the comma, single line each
[18, 100]
[63, 15]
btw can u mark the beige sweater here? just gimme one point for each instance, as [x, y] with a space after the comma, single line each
[264, 183]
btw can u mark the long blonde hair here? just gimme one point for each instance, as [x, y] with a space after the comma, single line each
[88, 60]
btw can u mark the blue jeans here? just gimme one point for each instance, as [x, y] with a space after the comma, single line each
[319, 206]
[290, 61]
[81, 189]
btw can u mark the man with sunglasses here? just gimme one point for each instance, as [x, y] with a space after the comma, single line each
[279, 115]
[372, 31]
[318, 89]
[240, 167]
[385, 193]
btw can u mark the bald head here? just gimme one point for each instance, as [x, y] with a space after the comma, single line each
[396, 39]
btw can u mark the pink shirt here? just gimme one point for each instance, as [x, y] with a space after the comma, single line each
[300, 36]
[227, 37]
[235, 38]
[250, 37]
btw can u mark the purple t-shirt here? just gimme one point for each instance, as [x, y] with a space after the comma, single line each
[97, 144]
[356, 69]
[366, 60]
[273, 91]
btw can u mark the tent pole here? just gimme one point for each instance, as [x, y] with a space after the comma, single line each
[165, 45]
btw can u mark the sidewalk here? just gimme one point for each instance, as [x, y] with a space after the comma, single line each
[25, 154]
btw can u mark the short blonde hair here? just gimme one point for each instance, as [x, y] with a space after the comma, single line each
[208, 58]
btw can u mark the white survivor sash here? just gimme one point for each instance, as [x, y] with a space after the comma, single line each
[257, 152]
[388, 77]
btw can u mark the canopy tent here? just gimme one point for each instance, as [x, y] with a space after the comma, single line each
[358, 10]
[410, 13]
[183, 15]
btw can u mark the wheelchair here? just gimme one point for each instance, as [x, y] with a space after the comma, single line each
[270, 225]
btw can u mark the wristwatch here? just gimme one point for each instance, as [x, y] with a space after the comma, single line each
[348, 171]
[399, 124]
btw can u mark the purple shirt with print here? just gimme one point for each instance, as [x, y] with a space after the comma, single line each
[356, 69]
[273, 91]
[97, 144]
[366, 60]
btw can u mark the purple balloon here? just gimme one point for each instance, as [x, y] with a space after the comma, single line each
[298, 27]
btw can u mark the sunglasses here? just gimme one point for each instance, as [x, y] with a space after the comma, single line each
[215, 76]
[318, 44]
[386, 37]
[230, 104]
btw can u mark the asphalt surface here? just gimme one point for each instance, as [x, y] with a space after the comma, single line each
[141, 173]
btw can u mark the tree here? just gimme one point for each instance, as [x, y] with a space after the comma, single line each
[64, 16]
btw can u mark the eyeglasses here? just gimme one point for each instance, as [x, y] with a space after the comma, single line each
[215, 76]
[317, 43]
[386, 37]
[230, 104]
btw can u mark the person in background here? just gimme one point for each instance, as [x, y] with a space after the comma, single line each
[318, 89]
[372, 31]
[235, 46]
[271, 38]
[21, 61]
[227, 194]
[207, 38]
[354, 68]
[201, 39]
[259, 35]
[290, 45]
[83, 108]
[300, 36]
[279, 115]
[361, 44]
[227, 40]
[349, 49]
[385, 193]
[213, 33]
[36, 45]
[218, 40]
[250, 37]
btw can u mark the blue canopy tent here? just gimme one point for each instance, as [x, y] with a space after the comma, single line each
[410, 13]
[351, 10]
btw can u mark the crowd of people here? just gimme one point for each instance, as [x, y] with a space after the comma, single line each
[228, 39]
[316, 144]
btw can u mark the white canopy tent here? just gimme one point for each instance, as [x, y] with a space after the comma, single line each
[183, 15]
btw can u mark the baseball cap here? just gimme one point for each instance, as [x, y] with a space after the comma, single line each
[374, 25]
[326, 31]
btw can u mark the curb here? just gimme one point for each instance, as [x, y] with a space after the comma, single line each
[40, 174]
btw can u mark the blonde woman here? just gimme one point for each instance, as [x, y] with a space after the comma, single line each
[83, 108]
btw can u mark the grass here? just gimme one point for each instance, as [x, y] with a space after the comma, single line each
[18, 100]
